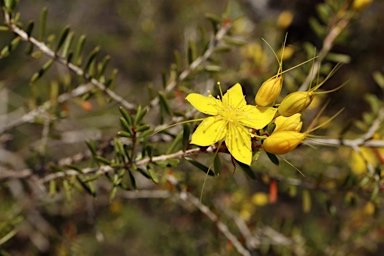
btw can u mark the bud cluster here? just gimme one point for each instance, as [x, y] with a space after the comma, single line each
[287, 123]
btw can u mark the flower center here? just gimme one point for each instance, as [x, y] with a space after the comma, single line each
[229, 113]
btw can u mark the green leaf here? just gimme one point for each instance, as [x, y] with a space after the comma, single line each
[273, 158]
[89, 63]
[217, 164]
[102, 66]
[67, 45]
[79, 49]
[306, 201]
[143, 172]
[42, 23]
[186, 133]
[42, 71]
[92, 147]
[139, 115]
[9, 48]
[213, 18]
[126, 115]
[113, 193]
[175, 143]
[86, 186]
[338, 57]
[67, 189]
[102, 160]
[124, 134]
[153, 175]
[145, 134]
[29, 28]
[74, 167]
[256, 155]
[109, 83]
[379, 79]
[247, 169]
[164, 105]
[235, 42]
[142, 128]
[200, 166]
[167, 163]
[319, 29]
[52, 188]
[62, 38]
[125, 125]
[325, 12]
[212, 68]
[132, 179]
[192, 52]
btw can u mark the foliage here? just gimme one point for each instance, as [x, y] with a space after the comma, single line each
[97, 161]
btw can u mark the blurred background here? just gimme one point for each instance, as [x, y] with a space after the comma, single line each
[324, 212]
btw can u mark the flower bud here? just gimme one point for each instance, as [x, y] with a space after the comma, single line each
[292, 123]
[282, 142]
[295, 102]
[269, 91]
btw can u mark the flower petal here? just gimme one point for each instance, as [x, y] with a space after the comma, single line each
[238, 141]
[257, 117]
[234, 97]
[210, 131]
[205, 104]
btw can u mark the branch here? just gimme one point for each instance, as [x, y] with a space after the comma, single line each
[42, 109]
[364, 140]
[334, 32]
[76, 69]
[223, 228]
[26, 173]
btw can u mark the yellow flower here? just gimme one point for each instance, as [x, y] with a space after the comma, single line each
[229, 121]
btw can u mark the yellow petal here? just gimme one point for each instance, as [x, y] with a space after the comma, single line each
[234, 97]
[207, 105]
[238, 141]
[257, 117]
[210, 131]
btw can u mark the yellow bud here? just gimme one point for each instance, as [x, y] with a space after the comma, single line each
[292, 123]
[358, 5]
[269, 91]
[282, 142]
[295, 102]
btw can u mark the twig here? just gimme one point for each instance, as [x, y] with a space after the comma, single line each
[334, 32]
[26, 173]
[76, 69]
[42, 109]
[364, 140]
[223, 228]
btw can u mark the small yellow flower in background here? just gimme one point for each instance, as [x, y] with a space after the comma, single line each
[260, 199]
[229, 121]
[285, 19]
[358, 5]
[292, 123]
